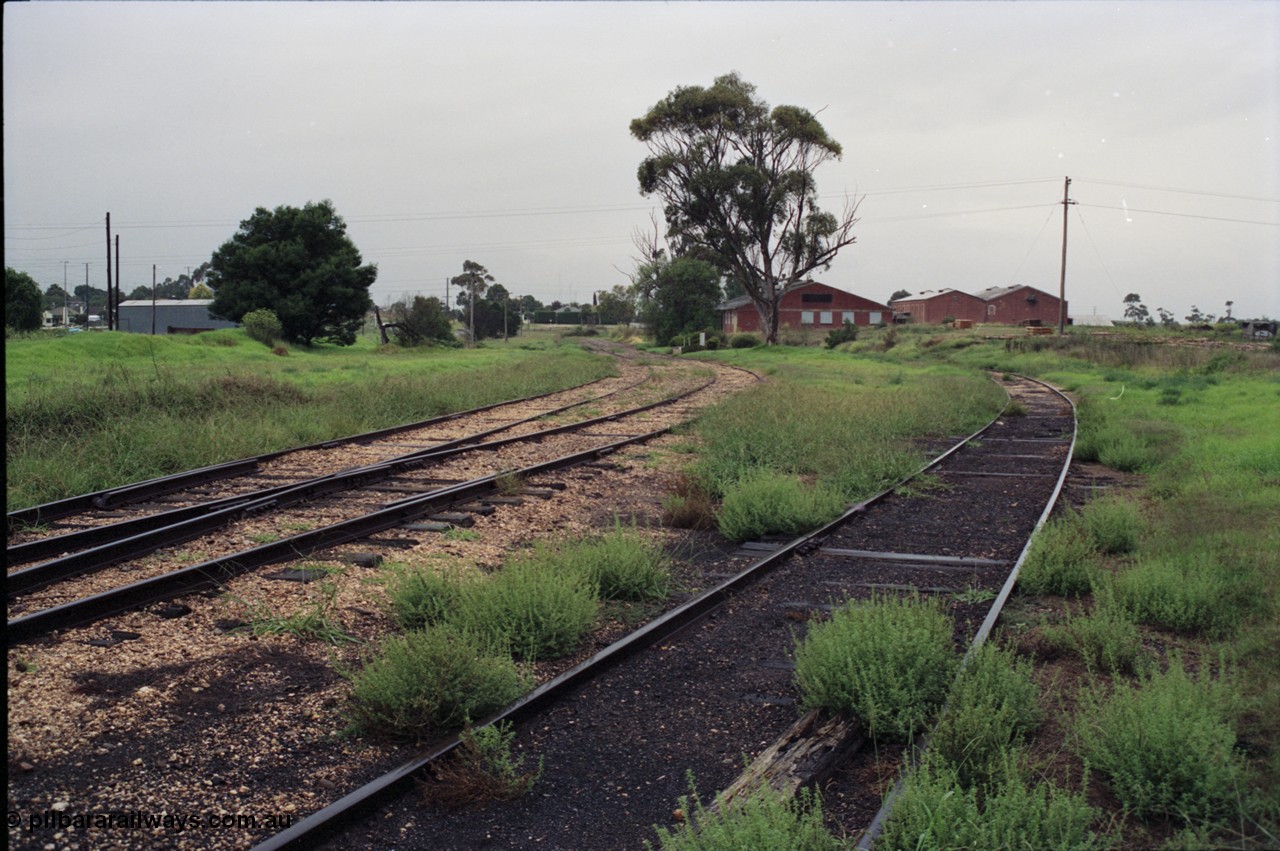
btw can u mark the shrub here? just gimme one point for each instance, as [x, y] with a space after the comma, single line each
[1189, 592]
[428, 682]
[262, 325]
[936, 811]
[1112, 523]
[992, 705]
[886, 660]
[1061, 560]
[621, 564]
[423, 597]
[744, 340]
[1107, 639]
[761, 819]
[1165, 745]
[482, 768]
[766, 503]
[689, 505]
[539, 611]
[846, 333]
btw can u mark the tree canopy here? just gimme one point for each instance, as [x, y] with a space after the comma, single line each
[299, 263]
[678, 297]
[736, 182]
[22, 301]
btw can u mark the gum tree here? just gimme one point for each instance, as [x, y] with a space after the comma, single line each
[736, 183]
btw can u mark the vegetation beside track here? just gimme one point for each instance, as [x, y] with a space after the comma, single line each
[85, 412]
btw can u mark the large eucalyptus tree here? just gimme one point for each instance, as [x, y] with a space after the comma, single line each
[736, 182]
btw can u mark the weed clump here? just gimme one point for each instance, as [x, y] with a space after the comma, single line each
[761, 819]
[481, 769]
[427, 682]
[1166, 745]
[1061, 560]
[763, 502]
[887, 660]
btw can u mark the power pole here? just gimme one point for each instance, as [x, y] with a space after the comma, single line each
[64, 291]
[1062, 278]
[504, 318]
[472, 341]
[86, 289]
[153, 299]
[115, 317]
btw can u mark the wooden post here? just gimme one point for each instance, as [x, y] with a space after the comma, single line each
[86, 288]
[1062, 278]
[153, 299]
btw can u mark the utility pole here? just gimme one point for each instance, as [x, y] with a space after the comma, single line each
[504, 318]
[472, 342]
[115, 317]
[153, 299]
[1062, 278]
[86, 288]
[64, 291]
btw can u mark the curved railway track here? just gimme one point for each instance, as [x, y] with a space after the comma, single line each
[128, 563]
[696, 690]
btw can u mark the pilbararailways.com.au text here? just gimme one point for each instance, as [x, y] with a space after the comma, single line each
[143, 820]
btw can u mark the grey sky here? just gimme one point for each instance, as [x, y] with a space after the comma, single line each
[498, 132]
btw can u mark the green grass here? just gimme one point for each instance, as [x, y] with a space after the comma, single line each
[1167, 744]
[762, 502]
[428, 682]
[990, 709]
[1062, 560]
[315, 621]
[85, 412]
[622, 563]
[759, 820]
[1190, 592]
[887, 660]
[937, 811]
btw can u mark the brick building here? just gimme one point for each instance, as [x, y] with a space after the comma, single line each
[813, 306]
[1020, 305]
[933, 307]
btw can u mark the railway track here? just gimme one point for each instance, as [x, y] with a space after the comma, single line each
[708, 684]
[114, 566]
[698, 689]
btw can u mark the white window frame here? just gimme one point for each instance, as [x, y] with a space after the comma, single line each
[825, 317]
[806, 317]
[876, 318]
[847, 316]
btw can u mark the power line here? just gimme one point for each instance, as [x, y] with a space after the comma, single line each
[1182, 191]
[1182, 215]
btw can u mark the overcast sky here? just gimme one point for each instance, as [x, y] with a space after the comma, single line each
[498, 132]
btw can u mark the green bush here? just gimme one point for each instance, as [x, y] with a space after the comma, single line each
[423, 597]
[846, 333]
[1167, 745]
[262, 325]
[482, 768]
[935, 811]
[992, 705]
[886, 660]
[744, 340]
[1107, 639]
[539, 611]
[761, 820]
[1193, 592]
[767, 503]
[1061, 560]
[1112, 523]
[425, 683]
[622, 564]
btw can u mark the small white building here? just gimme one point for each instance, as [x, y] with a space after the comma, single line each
[1091, 320]
[170, 316]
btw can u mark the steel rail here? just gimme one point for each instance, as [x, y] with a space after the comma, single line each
[195, 522]
[873, 831]
[75, 541]
[57, 509]
[325, 823]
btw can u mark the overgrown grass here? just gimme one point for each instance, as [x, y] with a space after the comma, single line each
[90, 411]
[887, 660]
[427, 682]
[483, 768]
[622, 564]
[759, 820]
[762, 502]
[1167, 745]
[1062, 560]
[1190, 592]
[990, 709]
[936, 811]
[1107, 639]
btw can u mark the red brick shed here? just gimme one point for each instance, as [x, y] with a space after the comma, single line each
[1020, 305]
[815, 306]
[933, 307]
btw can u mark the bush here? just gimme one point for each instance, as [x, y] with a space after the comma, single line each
[992, 705]
[621, 565]
[689, 505]
[482, 768]
[1166, 745]
[425, 683]
[1112, 523]
[420, 598]
[744, 340]
[1061, 560]
[539, 611]
[847, 333]
[262, 325]
[936, 811]
[1106, 640]
[766, 503]
[1189, 592]
[760, 820]
[888, 661]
